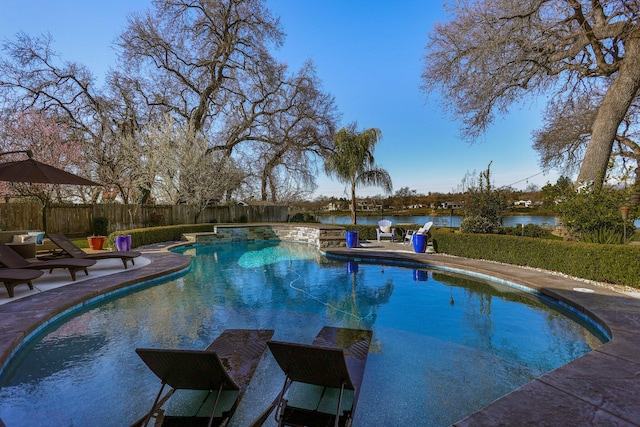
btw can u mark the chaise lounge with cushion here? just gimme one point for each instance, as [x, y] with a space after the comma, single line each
[10, 258]
[74, 251]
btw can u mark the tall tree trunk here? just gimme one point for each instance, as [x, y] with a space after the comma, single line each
[263, 185]
[615, 105]
[353, 203]
[634, 196]
[274, 189]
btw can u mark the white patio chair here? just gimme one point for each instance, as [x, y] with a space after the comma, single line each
[408, 238]
[384, 229]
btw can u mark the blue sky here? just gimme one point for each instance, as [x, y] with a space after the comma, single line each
[368, 54]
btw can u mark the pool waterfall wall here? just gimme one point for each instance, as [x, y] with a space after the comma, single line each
[323, 236]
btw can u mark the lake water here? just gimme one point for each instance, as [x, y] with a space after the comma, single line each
[444, 221]
[439, 221]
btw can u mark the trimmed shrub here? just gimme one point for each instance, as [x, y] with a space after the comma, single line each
[303, 217]
[100, 226]
[529, 230]
[476, 224]
[602, 263]
[168, 233]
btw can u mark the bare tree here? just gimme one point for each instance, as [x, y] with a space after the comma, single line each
[299, 129]
[566, 135]
[173, 164]
[184, 54]
[207, 64]
[34, 79]
[494, 52]
[51, 143]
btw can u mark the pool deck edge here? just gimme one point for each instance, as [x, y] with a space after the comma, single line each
[24, 316]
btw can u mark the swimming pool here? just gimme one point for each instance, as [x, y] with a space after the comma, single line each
[444, 346]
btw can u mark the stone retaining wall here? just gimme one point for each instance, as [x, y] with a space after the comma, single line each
[323, 236]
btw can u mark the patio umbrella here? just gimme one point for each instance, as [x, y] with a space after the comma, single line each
[33, 171]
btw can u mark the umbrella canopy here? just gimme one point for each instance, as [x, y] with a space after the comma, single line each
[33, 171]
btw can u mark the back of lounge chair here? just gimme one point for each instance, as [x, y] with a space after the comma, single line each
[336, 359]
[71, 249]
[310, 364]
[227, 364]
[11, 259]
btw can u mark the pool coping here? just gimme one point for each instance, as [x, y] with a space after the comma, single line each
[599, 388]
[25, 316]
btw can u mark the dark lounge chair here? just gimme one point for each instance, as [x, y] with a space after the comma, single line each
[11, 259]
[224, 368]
[12, 277]
[74, 251]
[335, 361]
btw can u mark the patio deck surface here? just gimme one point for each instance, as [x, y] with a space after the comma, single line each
[601, 388]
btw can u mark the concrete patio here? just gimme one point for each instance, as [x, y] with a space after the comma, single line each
[601, 388]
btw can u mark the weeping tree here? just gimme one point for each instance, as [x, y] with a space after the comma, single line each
[352, 162]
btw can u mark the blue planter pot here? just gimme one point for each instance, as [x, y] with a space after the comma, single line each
[352, 239]
[123, 242]
[419, 243]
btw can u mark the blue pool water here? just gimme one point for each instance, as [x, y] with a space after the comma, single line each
[443, 346]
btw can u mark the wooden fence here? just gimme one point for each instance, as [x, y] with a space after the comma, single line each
[78, 219]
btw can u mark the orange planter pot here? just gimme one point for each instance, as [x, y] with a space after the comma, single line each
[96, 242]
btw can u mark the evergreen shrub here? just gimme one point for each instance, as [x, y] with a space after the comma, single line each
[303, 217]
[168, 233]
[602, 263]
[100, 226]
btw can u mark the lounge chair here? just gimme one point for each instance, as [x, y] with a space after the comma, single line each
[384, 229]
[408, 238]
[12, 277]
[74, 251]
[222, 372]
[335, 362]
[11, 259]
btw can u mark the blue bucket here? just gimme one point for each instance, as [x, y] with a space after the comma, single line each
[352, 239]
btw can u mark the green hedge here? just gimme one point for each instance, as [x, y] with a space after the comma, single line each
[603, 263]
[151, 235]
[368, 232]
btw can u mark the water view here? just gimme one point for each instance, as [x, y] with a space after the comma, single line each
[439, 221]
[443, 346]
